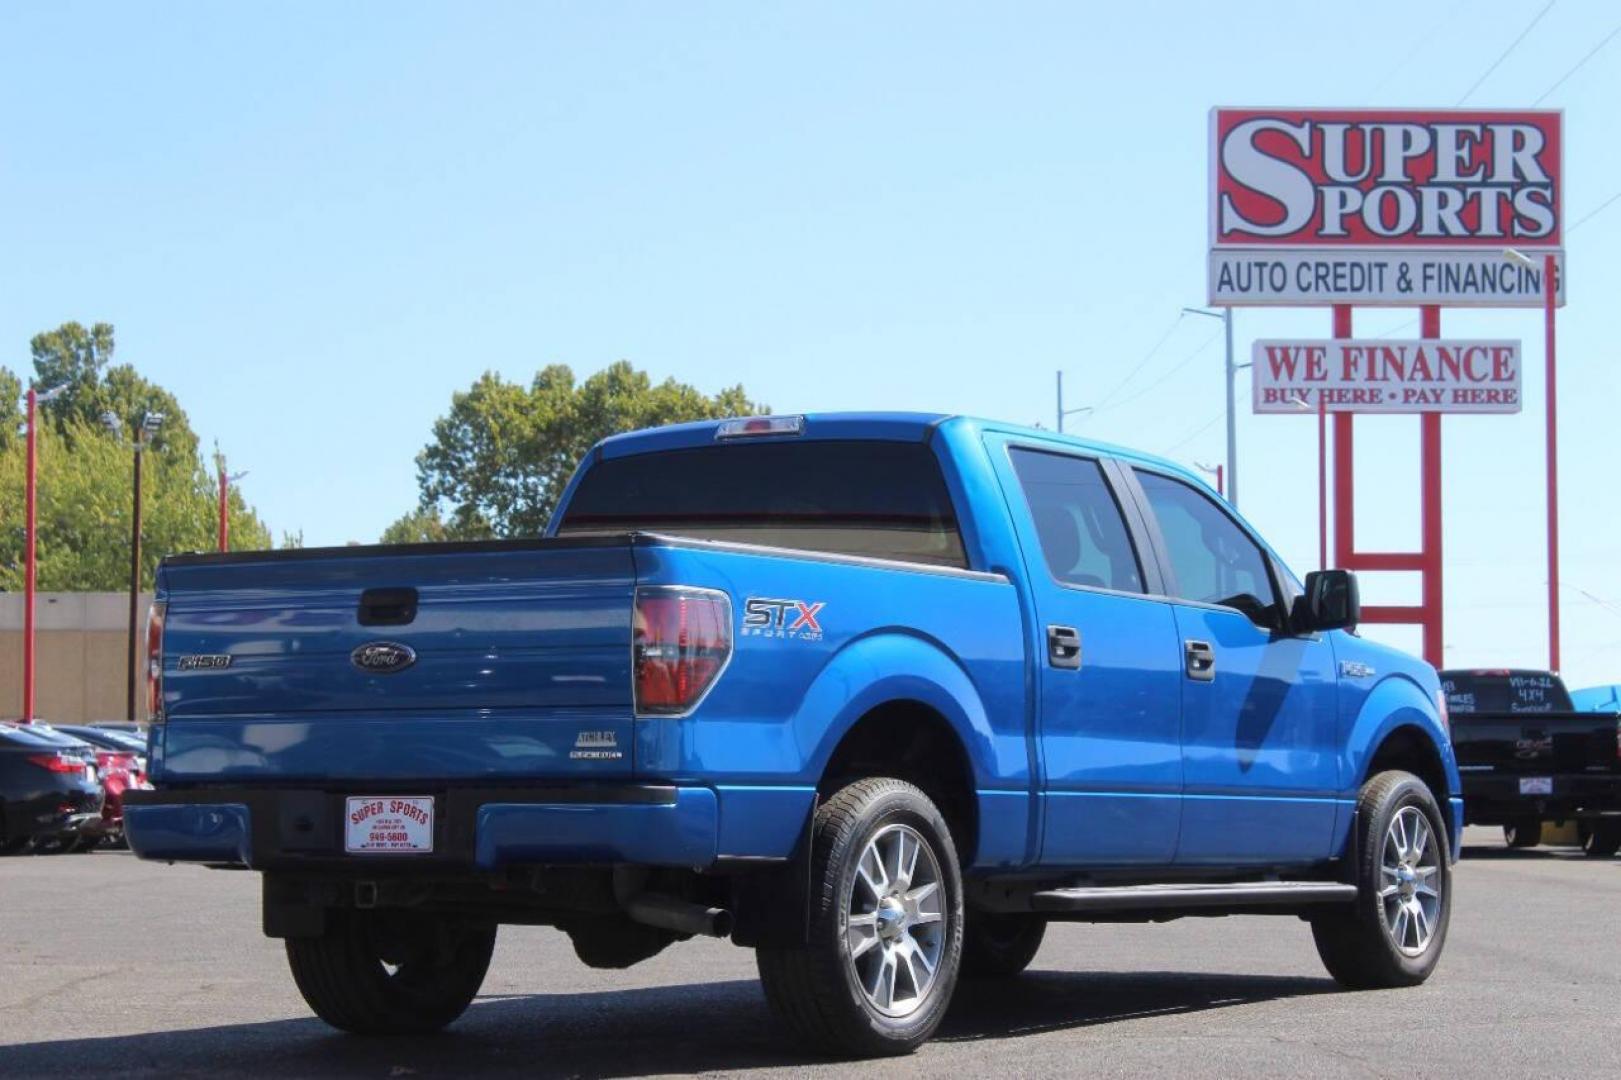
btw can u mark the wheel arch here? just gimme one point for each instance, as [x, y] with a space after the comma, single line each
[912, 741]
[894, 699]
[1399, 727]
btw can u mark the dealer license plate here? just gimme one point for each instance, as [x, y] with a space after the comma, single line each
[1536, 785]
[390, 824]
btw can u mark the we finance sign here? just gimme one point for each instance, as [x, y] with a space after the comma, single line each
[1451, 376]
[1386, 207]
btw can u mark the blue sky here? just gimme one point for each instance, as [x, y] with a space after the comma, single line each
[315, 222]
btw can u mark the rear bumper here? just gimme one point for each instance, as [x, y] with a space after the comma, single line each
[1495, 799]
[474, 828]
[53, 815]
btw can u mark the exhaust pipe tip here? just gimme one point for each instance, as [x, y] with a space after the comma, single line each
[681, 916]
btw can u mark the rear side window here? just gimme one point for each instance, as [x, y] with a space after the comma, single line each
[1083, 536]
[1215, 561]
[884, 500]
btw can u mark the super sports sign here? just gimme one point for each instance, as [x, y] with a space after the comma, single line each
[1393, 207]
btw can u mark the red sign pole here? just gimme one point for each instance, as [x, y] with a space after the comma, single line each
[225, 521]
[1548, 271]
[1322, 482]
[1430, 514]
[28, 566]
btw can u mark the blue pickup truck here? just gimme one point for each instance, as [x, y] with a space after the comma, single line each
[876, 695]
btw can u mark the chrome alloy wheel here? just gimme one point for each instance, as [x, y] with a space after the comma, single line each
[1410, 881]
[895, 920]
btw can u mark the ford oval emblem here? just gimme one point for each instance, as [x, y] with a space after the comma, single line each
[383, 657]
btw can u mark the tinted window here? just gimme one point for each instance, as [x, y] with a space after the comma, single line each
[1215, 561]
[1083, 537]
[883, 499]
[1504, 692]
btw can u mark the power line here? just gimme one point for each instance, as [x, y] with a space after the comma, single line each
[1578, 65]
[1593, 213]
[1447, 20]
[1178, 366]
[1149, 355]
[1504, 56]
[1202, 428]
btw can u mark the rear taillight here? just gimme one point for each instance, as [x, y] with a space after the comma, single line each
[682, 639]
[59, 762]
[154, 661]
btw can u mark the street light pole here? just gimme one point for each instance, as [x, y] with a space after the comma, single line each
[149, 424]
[1226, 317]
[134, 577]
[1549, 303]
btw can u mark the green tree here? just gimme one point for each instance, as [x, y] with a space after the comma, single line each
[80, 360]
[85, 509]
[418, 527]
[499, 460]
[11, 407]
[84, 481]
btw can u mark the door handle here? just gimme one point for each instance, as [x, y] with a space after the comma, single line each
[1199, 660]
[1064, 647]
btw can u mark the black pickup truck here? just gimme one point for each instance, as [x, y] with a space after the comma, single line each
[1527, 757]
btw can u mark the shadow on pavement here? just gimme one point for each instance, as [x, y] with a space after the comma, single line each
[1478, 852]
[669, 1029]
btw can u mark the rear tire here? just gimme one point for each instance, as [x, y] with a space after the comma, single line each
[1392, 935]
[1523, 834]
[877, 970]
[1000, 946]
[391, 973]
[1601, 838]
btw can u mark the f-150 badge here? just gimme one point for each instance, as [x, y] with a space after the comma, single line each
[796, 620]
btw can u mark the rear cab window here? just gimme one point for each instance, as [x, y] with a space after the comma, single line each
[1504, 692]
[870, 498]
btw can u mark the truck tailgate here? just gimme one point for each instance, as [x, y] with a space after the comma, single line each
[511, 660]
[1536, 743]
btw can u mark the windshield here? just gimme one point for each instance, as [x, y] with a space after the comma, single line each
[881, 499]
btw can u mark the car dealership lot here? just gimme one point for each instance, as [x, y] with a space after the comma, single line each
[109, 966]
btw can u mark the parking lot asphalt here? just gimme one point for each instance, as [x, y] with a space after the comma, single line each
[112, 967]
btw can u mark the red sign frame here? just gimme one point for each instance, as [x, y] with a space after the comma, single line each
[1386, 178]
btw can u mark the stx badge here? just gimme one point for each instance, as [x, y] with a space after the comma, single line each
[796, 620]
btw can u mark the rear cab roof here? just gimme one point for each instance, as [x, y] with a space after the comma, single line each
[892, 426]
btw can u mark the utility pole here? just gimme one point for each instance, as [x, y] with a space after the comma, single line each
[1063, 412]
[1226, 317]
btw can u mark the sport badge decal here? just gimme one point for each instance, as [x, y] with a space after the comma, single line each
[793, 620]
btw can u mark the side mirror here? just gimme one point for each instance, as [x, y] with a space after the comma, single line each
[1331, 602]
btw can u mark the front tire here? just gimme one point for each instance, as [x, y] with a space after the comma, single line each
[1000, 946]
[1392, 935]
[878, 968]
[389, 972]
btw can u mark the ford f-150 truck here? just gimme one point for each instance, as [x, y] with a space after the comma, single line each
[1528, 756]
[876, 695]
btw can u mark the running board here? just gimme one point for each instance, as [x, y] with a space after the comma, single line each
[1192, 895]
